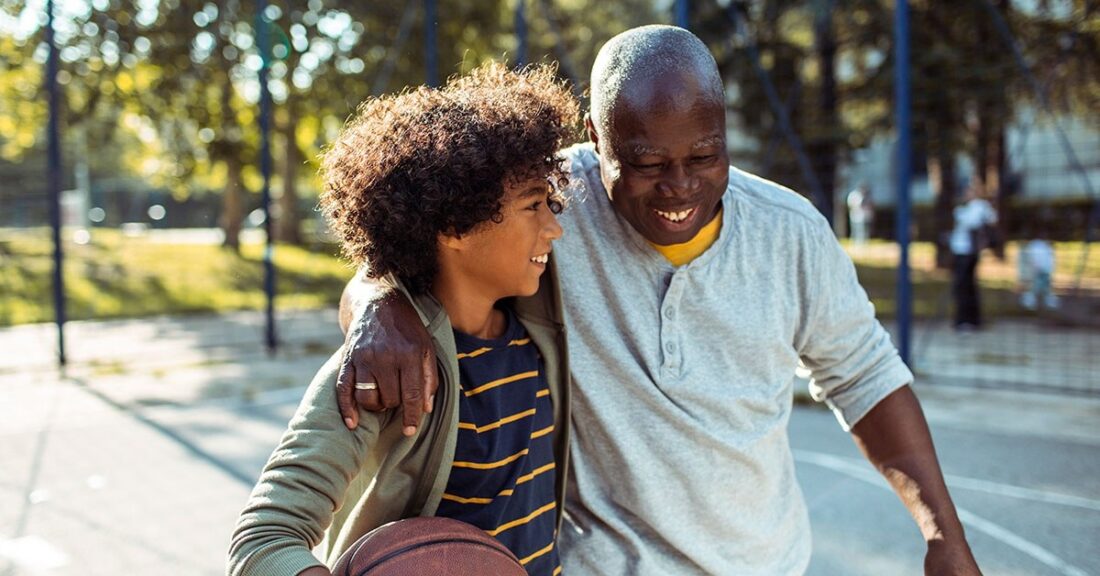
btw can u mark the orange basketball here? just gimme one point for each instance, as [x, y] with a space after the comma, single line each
[428, 546]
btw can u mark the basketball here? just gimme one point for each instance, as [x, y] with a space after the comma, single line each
[429, 546]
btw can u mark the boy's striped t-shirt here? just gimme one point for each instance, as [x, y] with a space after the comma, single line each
[503, 479]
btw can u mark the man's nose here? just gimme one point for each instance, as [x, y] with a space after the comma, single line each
[678, 179]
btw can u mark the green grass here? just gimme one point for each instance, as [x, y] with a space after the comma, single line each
[115, 276]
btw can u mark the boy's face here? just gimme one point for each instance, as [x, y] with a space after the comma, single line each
[507, 258]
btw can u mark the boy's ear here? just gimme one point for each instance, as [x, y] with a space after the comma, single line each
[451, 240]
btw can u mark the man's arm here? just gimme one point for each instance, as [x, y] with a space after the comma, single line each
[857, 371]
[894, 437]
[386, 344]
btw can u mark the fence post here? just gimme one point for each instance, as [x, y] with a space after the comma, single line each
[431, 55]
[682, 10]
[904, 174]
[53, 183]
[520, 25]
[264, 41]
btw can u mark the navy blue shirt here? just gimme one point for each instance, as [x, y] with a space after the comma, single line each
[503, 479]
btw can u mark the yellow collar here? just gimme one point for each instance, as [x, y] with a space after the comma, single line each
[680, 254]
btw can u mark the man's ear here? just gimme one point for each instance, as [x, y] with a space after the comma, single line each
[590, 128]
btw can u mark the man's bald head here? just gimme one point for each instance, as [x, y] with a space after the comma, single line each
[641, 56]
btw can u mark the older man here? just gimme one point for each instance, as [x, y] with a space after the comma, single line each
[691, 290]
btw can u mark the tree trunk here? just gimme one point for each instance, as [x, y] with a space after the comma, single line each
[229, 148]
[289, 222]
[941, 177]
[232, 204]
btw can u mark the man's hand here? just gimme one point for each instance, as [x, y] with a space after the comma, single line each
[386, 345]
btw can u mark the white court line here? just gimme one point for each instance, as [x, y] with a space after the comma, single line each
[1010, 491]
[861, 470]
[974, 484]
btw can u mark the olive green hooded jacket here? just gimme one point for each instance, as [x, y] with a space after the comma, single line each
[327, 485]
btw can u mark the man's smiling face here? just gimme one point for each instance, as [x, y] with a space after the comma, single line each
[664, 160]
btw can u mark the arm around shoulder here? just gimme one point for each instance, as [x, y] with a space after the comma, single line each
[389, 349]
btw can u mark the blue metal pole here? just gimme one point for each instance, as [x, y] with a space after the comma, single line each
[53, 183]
[521, 33]
[682, 9]
[431, 48]
[904, 174]
[264, 41]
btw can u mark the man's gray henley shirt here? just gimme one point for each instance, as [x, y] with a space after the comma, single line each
[683, 381]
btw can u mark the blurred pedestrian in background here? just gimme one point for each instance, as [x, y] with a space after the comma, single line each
[1036, 264]
[861, 213]
[974, 231]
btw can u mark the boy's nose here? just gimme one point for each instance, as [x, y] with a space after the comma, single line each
[553, 229]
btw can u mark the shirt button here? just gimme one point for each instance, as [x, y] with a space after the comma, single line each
[669, 313]
[670, 348]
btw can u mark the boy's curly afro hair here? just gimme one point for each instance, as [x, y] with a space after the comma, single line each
[426, 162]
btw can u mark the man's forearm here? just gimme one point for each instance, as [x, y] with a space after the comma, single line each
[895, 438]
[360, 291]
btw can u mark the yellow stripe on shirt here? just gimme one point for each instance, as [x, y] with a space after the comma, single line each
[543, 432]
[474, 354]
[501, 382]
[480, 351]
[491, 465]
[521, 521]
[498, 423]
[545, 550]
[506, 492]
[530, 475]
[462, 500]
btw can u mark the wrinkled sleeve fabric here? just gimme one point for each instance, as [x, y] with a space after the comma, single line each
[853, 362]
[302, 485]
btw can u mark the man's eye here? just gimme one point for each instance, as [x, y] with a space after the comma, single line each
[703, 159]
[646, 166]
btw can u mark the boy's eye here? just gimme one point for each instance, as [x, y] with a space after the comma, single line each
[535, 205]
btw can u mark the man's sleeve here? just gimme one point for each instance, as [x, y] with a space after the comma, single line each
[853, 362]
[302, 484]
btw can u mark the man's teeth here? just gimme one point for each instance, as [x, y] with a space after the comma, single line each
[541, 259]
[676, 216]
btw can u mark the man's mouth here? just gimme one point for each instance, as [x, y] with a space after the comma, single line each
[678, 216]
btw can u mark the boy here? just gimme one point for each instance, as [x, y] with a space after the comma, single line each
[452, 193]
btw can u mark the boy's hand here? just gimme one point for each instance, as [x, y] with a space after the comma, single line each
[389, 347]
